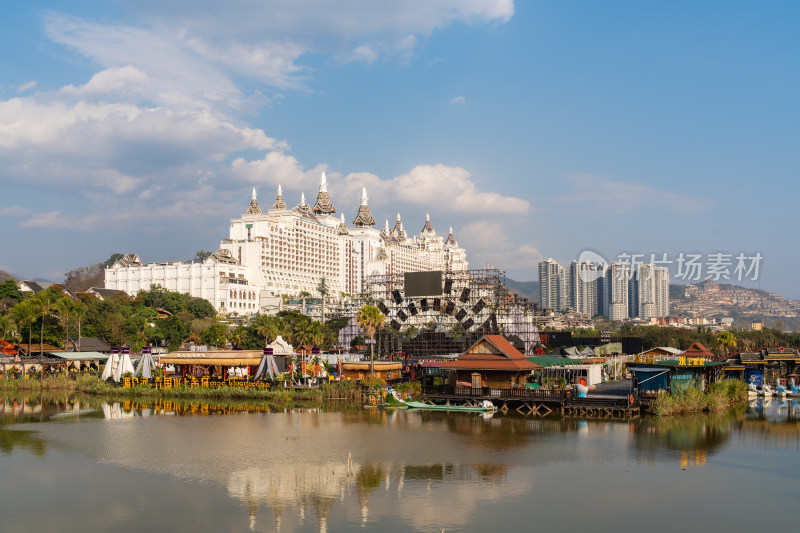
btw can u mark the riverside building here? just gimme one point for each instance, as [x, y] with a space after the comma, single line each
[282, 251]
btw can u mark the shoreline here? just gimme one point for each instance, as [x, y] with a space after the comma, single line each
[93, 385]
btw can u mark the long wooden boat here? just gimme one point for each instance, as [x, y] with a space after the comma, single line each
[420, 405]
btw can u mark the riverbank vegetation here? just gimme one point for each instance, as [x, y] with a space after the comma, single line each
[91, 384]
[720, 396]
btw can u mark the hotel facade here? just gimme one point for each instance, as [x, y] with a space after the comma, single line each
[284, 251]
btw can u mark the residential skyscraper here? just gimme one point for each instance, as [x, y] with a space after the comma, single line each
[553, 286]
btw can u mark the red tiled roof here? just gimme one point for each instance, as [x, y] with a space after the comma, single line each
[497, 364]
[697, 350]
[504, 357]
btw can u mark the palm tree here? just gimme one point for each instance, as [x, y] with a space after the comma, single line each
[370, 319]
[24, 314]
[44, 303]
[323, 290]
[268, 327]
[238, 336]
[6, 327]
[64, 307]
[727, 340]
[79, 311]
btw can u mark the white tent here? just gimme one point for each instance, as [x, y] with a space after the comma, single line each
[146, 366]
[123, 367]
[269, 366]
[111, 366]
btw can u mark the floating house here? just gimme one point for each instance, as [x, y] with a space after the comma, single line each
[694, 367]
[491, 362]
[765, 366]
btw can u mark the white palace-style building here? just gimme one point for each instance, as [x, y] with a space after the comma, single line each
[283, 251]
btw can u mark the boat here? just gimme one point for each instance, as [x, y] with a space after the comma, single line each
[780, 391]
[794, 392]
[486, 405]
[765, 390]
[752, 390]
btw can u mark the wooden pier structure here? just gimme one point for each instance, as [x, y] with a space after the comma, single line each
[536, 402]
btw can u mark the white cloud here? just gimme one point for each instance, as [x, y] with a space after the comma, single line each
[153, 131]
[490, 242]
[364, 53]
[449, 189]
[53, 141]
[129, 81]
[616, 197]
[14, 211]
[27, 86]
[195, 49]
[278, 168]
[459, 100]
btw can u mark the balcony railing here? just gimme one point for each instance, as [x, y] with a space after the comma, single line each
[520, 393]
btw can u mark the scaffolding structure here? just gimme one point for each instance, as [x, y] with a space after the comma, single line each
[472, 303]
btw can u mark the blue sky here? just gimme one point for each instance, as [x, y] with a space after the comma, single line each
[534, 129]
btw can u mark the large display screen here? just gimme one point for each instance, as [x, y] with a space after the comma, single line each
[423, 284]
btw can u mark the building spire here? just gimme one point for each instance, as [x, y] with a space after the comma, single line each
[323, 206]
[279, 203]
[451, 239]
[253, 209]
[427, 228]
[364, 218]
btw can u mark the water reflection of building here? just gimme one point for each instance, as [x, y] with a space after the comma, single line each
[689, 437]
[319, 486]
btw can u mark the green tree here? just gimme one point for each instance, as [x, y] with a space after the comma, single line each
[200, 307]
[113, 259]
[7, 327]
[370, 319]
[24, 314]
[45, 304]
[324, 291]
[216, 334]
[79, 310]
[10, 294]
[727, 340]
[64, 307]
[268, 327]
[238, 336]
[201, 255]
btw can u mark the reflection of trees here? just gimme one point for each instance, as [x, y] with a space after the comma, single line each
[500, 431]
[704, 432]
[27, 440]
[368, 479]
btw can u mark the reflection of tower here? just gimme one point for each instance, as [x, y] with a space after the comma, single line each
[367, 480]
[277, 510]
[251, 500]
[323, 507]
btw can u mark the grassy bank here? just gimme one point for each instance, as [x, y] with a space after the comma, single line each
[88, 384]
[720, 396]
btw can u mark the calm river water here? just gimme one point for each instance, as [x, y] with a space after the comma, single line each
[81, 465]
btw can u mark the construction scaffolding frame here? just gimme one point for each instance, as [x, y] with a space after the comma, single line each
[472, 303]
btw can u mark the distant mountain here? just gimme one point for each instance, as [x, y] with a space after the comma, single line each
[529, 289]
